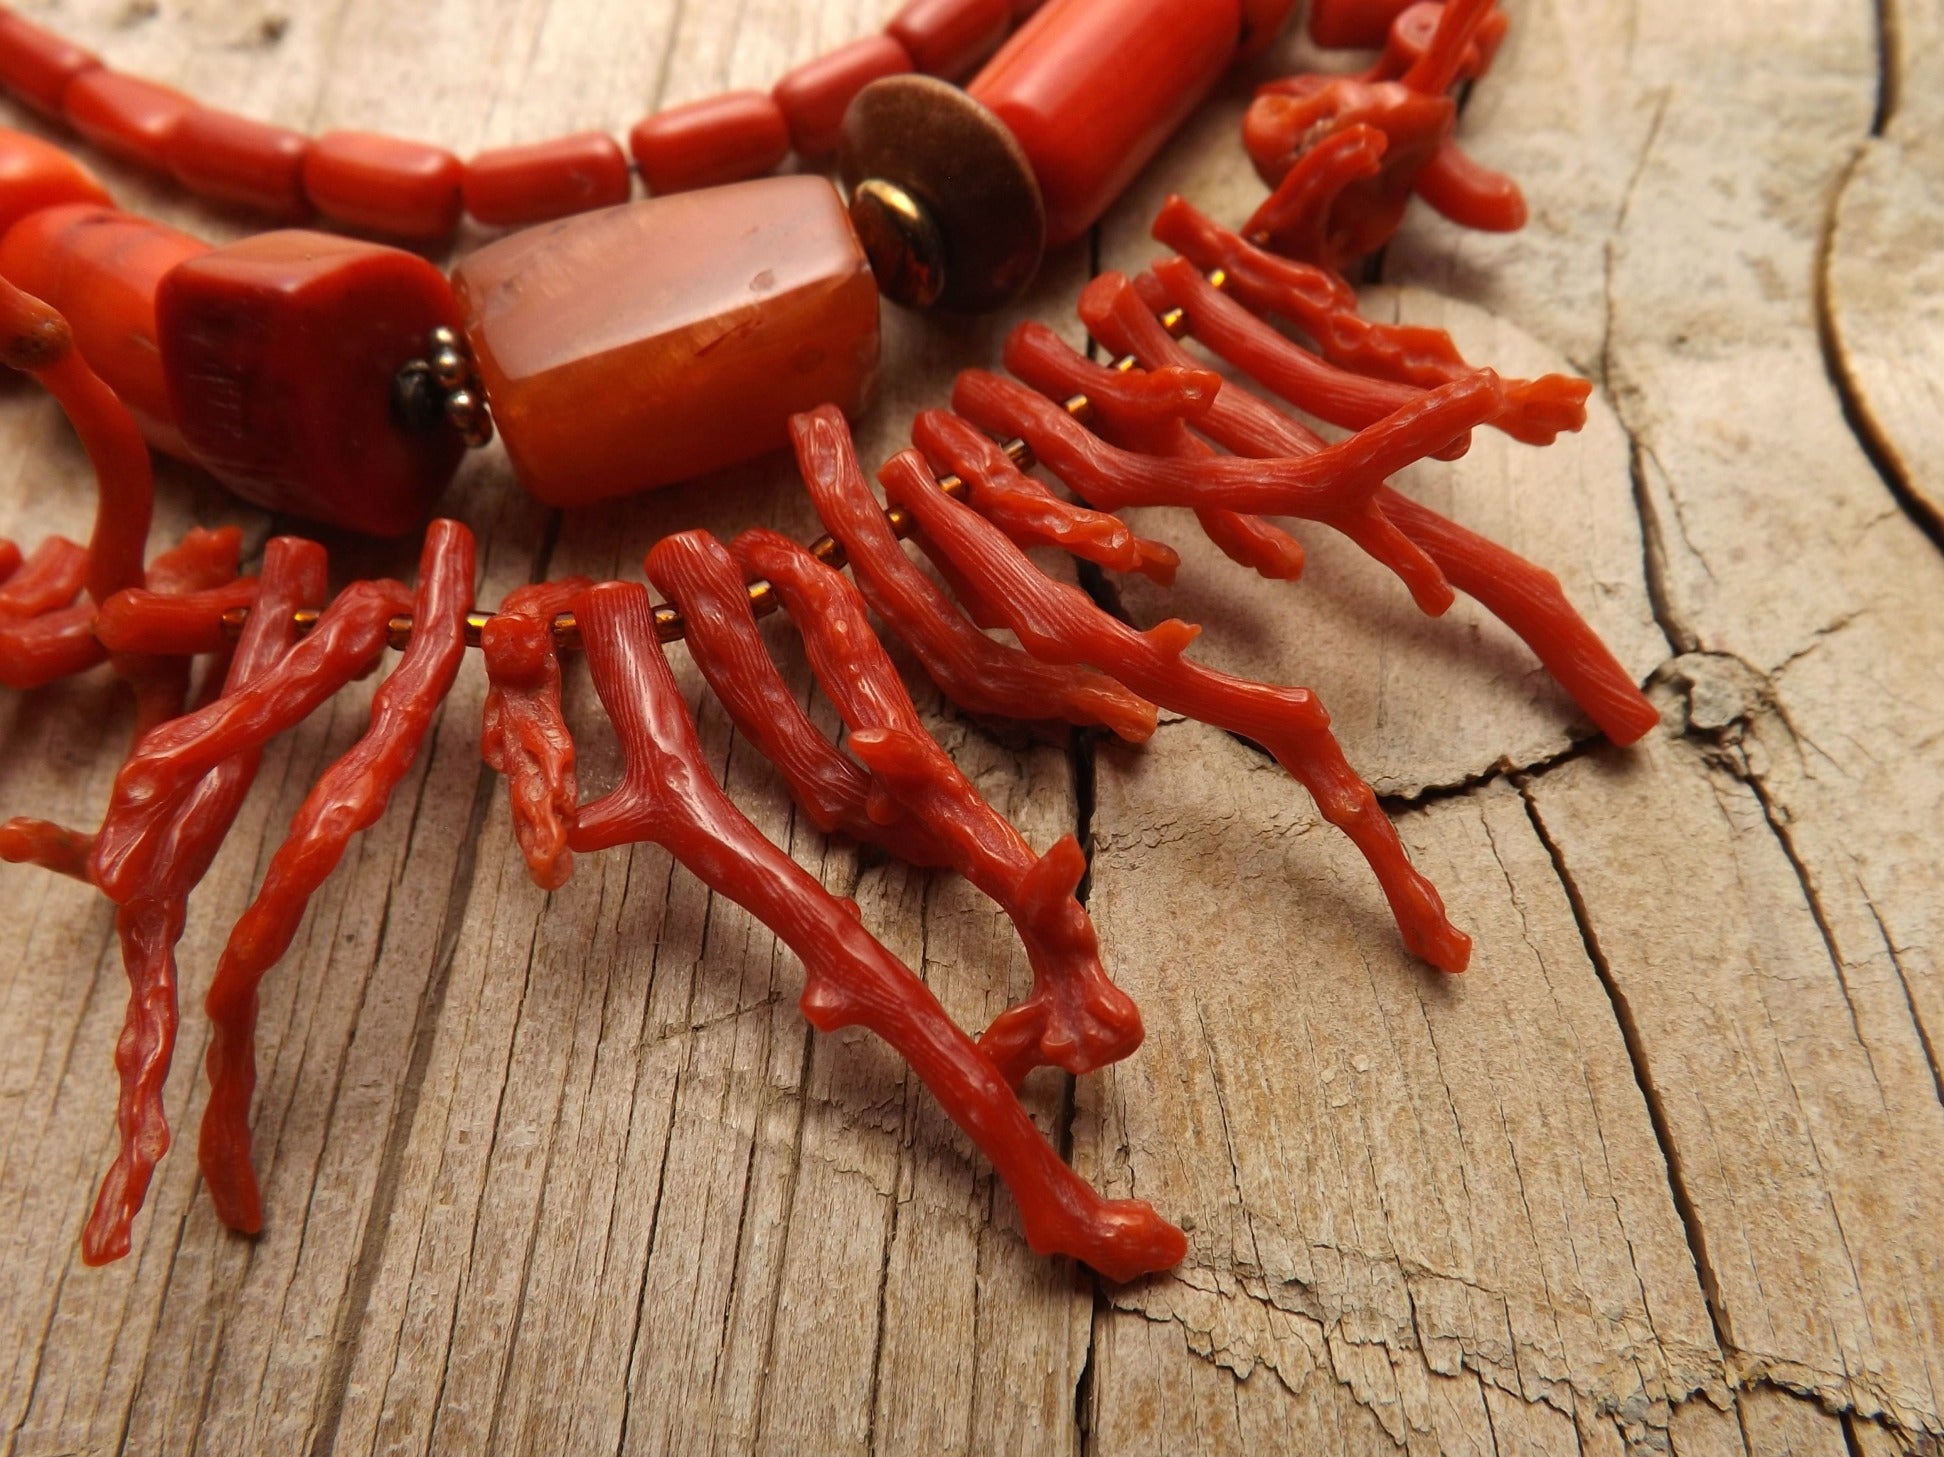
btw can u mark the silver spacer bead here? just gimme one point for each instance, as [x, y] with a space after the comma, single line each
[445, 338]
[451, 370]
[467, 412]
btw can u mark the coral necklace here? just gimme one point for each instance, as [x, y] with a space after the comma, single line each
[1343, 155]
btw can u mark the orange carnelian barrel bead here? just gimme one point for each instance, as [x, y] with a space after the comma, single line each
[36, 65]
[509, 186]
[236, 159]
[727, 138]
[646, 344]
[101, 268]
[385, 184]
[1091, 91]
[125, 116]
[815, 96]
[279, 353]
[949, 37]
[34, 176]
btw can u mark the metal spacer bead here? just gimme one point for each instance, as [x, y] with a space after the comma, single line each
[451, 370]
[467, 413]
[443, 338]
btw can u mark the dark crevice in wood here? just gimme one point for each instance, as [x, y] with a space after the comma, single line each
[1878, 450]
[1889, 39]
[1636, 1046]
[335, 1380]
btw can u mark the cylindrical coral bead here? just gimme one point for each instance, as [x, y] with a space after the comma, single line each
[125, 116]
[509, 186]
[385, 184]
[1262, 22]
[1092, 91]
[34, 175]
[815, 96]
[37, 65]
[102, 268]
[236, 159]
[726, 138]
[1362, 24]
[949, 37]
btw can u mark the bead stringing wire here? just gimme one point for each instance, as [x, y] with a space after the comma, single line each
[763, 600]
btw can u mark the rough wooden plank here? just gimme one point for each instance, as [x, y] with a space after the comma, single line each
[1708, 152]
[1881, 282]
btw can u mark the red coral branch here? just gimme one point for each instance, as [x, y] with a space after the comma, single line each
[524, 734]
[668, 797]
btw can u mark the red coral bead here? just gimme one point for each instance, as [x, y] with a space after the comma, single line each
[236, 159]
[815, 96]
[1262, 22]
[727, 138]
[385, 184]
[279, 354]
[37, 65]
[509, 186]
[34, 175]
[125, 116]
[949, 37]
[1092, 92]
[101, 268]
[1360, 24]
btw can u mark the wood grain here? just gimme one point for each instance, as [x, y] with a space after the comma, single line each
[568, 1173]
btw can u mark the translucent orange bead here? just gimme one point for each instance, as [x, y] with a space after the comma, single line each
[645, 344]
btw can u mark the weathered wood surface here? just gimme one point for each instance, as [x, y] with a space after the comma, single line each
[568, 1172]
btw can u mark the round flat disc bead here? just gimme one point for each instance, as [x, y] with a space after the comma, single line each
[961, 166]
[281, 353]
[125, 116]
[34, 175]
[949, 37]
[408, 189]
[239, 160]
[815, 96]
[511, 186]
[727, 138]
[36, 65]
